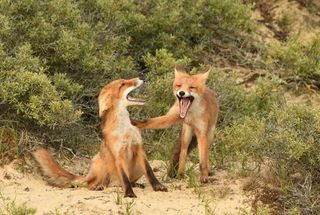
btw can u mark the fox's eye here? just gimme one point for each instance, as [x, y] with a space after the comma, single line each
[178, 85]
[192, 88]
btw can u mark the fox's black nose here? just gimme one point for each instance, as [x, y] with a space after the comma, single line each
[181, 93]
[142, 77]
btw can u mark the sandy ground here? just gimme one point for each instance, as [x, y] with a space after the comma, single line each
[223, 194]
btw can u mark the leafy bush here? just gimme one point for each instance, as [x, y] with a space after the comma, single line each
[287, 139]
[27, 91]
[284, 135]
[187, 28]
[299, 60]
[257, 128]
[237, 102]
[56, 55]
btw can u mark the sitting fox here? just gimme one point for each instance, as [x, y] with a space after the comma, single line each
[197, 109]
[121, 157]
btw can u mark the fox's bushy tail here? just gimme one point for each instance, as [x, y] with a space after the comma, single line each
[57, 176]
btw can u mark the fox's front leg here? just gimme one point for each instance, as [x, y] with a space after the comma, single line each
[142, 159]
[123, 175]
[157, 122]
[165, 121]
[203, 145]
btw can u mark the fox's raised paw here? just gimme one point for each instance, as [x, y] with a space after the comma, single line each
[138, 123]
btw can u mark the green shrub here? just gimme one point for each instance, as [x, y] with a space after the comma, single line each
[32, 96]
[56, 55]
[28, 92]
[286, 140]
[187, 28]
[237, 102]
[298, 60]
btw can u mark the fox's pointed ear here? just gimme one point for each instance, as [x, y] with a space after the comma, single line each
[204, 73]
[179, 69]
[104, 104]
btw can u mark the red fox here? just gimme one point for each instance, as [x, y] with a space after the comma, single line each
[121, 154]
[197, 109]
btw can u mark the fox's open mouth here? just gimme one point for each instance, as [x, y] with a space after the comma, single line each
[185, 103]
[132, 99]
[137, 101]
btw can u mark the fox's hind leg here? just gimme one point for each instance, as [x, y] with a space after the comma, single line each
[210, 142]
[99, 174]
[135, 170]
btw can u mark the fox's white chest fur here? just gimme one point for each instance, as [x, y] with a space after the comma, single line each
[194, 116]
[127, 133]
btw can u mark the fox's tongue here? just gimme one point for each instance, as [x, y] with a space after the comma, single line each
[184, 107]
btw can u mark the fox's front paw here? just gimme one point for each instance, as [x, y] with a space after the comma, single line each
[138, 123]
[160, 187]
[130, 194]
[95, 187]
[134, 122]
[204, 179]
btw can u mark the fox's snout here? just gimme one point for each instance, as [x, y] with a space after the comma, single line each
[183, 93]
[139, 82]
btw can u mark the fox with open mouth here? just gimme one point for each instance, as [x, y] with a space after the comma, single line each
[196, 107]
[121, 157]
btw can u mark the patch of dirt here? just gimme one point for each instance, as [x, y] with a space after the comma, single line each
[264, 194]
[225, 195]
[310, 99]
[281, 18]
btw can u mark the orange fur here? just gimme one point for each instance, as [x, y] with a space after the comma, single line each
[197, 109]
[121, 156]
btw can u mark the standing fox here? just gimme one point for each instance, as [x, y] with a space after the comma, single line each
[197, 109]
[121, 153]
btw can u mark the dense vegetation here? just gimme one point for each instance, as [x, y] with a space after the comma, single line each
[56, 55]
